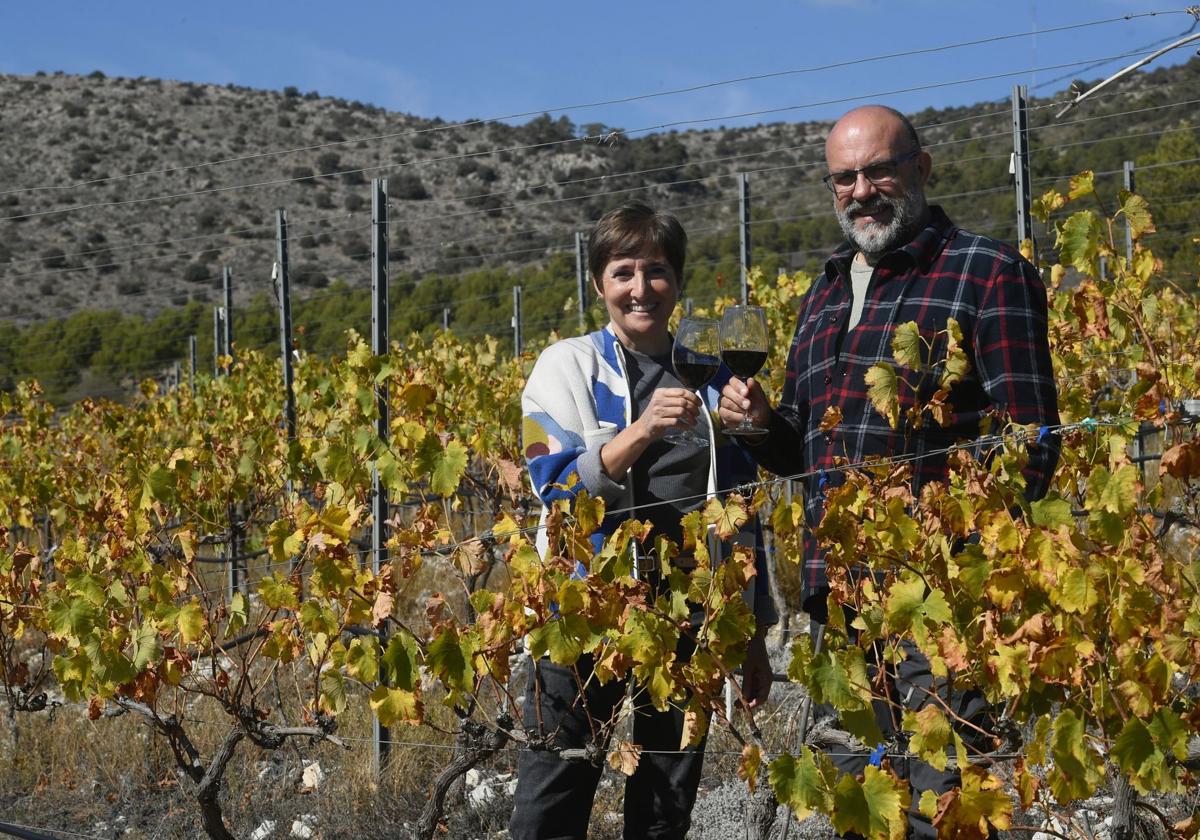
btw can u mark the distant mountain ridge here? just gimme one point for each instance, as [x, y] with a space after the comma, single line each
[487, 196]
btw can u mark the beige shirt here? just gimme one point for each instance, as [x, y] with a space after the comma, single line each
[860, 278]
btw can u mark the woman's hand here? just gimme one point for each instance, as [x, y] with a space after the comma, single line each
[669, 409]
[744, 397]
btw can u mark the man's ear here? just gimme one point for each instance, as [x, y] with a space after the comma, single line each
[924, 166]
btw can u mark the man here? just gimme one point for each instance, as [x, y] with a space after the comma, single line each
[903, 261]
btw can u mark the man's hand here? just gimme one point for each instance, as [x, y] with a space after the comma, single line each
[739, 398]
[756, 672]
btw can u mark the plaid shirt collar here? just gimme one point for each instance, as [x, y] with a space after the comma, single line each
[922, 250]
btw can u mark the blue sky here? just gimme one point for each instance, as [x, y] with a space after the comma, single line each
[474, 59]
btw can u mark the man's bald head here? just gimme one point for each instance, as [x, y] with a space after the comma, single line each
[878, 121]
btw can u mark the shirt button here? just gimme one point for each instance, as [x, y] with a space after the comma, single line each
[828, 379]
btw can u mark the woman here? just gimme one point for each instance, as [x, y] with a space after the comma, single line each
[597, 407]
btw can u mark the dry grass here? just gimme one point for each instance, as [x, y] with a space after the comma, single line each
[62, 771]
[65, 772]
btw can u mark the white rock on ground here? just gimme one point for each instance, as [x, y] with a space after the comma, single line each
[1054, 824]
[312, 776]
[265, 829]
[303, 827]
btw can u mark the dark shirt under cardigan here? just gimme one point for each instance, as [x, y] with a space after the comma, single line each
[945, 272]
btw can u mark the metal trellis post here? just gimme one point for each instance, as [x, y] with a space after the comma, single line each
[47, 548]
[1020, 166]
[581, 278]
[379, 499]
[227, 283]
[284, 295]
[445, 318]
[1129, 185]
[516, 321]
[218, 338]
[192, 355]
[744, 226]
[1139, 440]
[236, 551]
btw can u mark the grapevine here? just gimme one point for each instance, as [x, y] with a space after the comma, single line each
[1075, 616]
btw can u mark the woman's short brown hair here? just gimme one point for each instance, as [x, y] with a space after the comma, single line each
[636, 228]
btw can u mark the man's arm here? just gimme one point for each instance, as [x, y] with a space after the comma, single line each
[1012, 356]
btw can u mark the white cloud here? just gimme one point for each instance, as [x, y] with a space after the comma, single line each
[338, 73]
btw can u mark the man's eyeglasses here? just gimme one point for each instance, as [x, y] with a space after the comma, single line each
[880, 174]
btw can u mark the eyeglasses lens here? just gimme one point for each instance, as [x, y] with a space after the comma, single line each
[876, 174]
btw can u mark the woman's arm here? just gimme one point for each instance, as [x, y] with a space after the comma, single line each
[669, 408]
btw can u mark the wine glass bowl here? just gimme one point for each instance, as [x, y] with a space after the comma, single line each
[744, 345]
[696, 357]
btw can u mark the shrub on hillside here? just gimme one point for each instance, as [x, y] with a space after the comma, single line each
[208, 220]
[53, 258]
[355, 247]
[309, 274]
[328, 162]
[196, 272]
[407, 187]
[302, 175]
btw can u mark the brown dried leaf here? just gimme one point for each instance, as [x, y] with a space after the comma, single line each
[1182, 460]
[624, 756]
[381, 610]
[1188, 828]
[1148, 372]
[510, 476]
[470, 558]
[749, 766]
[953, 651]
[831, 419]
[435, 608]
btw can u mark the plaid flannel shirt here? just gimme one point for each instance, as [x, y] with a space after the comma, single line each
[1000, 303]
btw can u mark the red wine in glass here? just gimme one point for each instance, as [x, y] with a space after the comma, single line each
[744, 345]
[744, 363]
[695, 370]
[695, 357]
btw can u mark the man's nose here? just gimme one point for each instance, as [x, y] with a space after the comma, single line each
[863, 188]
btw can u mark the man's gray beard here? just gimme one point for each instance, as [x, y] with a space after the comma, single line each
[875, 240]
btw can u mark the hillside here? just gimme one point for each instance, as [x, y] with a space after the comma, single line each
[476, 208]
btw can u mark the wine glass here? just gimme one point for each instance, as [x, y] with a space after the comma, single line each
[695, 355]
[744, 352]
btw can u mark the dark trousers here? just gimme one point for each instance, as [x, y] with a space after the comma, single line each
[554, 796]
[910, 683]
